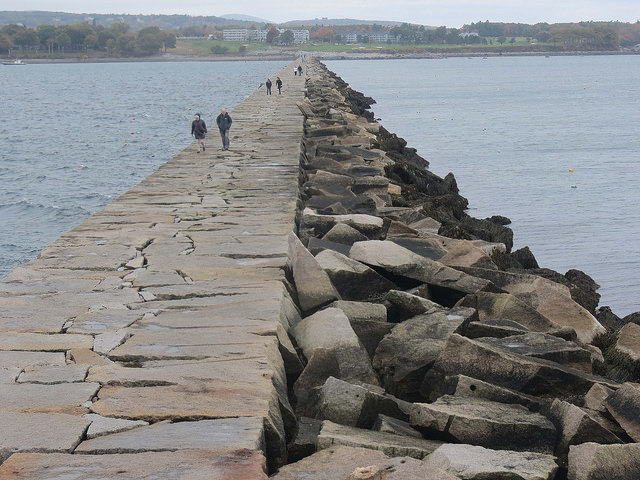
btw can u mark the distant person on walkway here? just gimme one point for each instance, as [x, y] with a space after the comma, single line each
[268, 84]
[295, 71]
[198, 130]
[299, 70]
[279, 85]
[224, 124]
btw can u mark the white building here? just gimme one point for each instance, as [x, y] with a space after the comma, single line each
[300, 36]
[235, 35]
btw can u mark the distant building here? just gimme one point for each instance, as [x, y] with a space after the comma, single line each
[300, 36]
[349, 37]
[235, 35]
[469, 34]
[369, 37]
[244, 35]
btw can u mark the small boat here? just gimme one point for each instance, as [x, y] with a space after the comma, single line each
[17, 61]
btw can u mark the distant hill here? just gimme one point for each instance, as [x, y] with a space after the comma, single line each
[137, 22]
[246, 18]
[337, 22]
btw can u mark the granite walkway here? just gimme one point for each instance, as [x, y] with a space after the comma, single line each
[149, 341]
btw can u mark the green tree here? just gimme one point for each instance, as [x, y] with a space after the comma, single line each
[272, 35]
[286, 38]
[148, 41]
[502, 39]
[168, 40]
[62, 41]
[47, 34]
[5, 43]
[119, 28]
[26, 39]
[78, 32]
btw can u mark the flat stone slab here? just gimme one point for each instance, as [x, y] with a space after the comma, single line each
[44, 343]
[58, 398]
[187, 344]
[39, 432]
[105, 426]
[184, 402]
[471, 462]
[204, 464]
[49, 375]
[22, 360]
[333, 434]
[243, 432]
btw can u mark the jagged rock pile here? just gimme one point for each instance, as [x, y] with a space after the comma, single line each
[423, 337]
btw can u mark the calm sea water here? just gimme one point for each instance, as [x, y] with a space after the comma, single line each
[552, 143]
[75, 136]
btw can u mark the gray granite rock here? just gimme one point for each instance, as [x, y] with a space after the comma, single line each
[391, 444]
[624, 406]
[312, 283]
[470, 462]
[489, 424]
[592, 461]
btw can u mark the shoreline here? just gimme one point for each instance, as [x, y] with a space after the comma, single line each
[323, 56]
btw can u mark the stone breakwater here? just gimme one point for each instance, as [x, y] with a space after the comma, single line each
[430, 349]
[313, 304]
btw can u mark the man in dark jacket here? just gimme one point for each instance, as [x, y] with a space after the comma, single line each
[198, 129]
[224, 124]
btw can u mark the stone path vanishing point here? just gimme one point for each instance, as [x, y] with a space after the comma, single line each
[148, 342]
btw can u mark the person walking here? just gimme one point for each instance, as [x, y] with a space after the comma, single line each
[224, 124]
[279, 85]
[198, 130]
[268, 85]
[299, 70]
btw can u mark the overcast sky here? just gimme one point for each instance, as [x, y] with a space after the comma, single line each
[452, 13]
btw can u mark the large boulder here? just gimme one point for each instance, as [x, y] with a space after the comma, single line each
[542, 345]
[489, 424]
[401, 262]
[470, 462]
[404, 305]
[343, 233]
[391, 444]
[404, 355]
[312, 283]
[330, 329]
[529, 375]
[592, 461]
[624, 406]
[351, 463]
[550, 299]
[463, 386]
[368, 320]
[357, 405]
[504, 306]
[353, 280]
[575, 426]
[368, 225]
[626, 351]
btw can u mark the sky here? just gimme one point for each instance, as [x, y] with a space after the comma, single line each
[452, 13]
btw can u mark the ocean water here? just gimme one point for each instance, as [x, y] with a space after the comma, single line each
[73, 137]
[552, 143]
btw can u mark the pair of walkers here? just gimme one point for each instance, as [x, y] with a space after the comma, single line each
[199, 129]
[278, 84]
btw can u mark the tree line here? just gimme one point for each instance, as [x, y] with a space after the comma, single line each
[117, 39]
